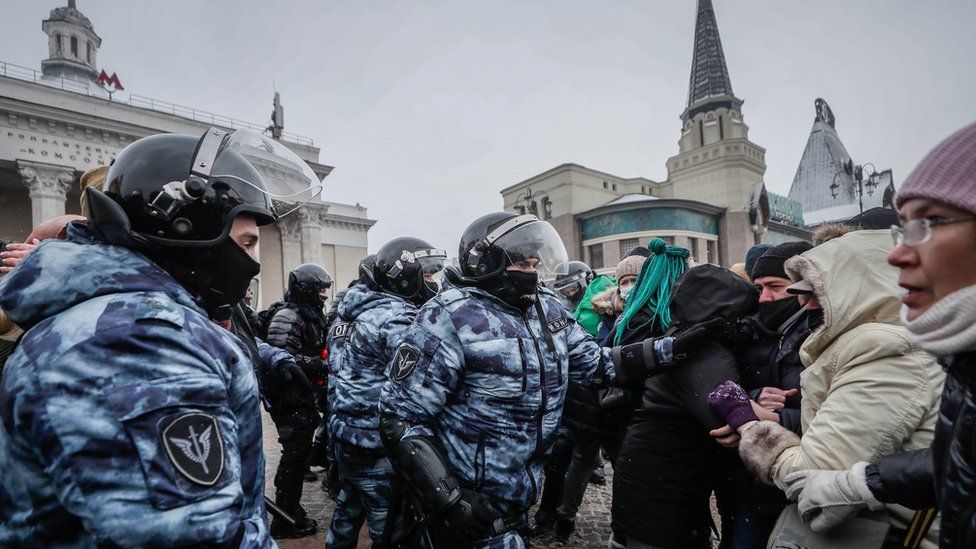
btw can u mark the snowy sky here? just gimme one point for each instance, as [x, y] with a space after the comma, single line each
[428, 108]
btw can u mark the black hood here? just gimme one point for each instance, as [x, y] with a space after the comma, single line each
[706, 292]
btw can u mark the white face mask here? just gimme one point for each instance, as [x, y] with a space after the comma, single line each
[625, 291]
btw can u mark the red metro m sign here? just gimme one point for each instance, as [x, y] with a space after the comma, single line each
[110, 83]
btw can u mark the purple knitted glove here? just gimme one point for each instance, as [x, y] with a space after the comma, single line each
[732, 402]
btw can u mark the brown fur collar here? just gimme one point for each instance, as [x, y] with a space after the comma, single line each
[762, 444]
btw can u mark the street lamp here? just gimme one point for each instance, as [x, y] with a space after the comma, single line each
[856, 171]
[532, 201]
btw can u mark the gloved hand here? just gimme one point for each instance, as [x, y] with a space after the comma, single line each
[732, 402]
[828, 498]
[468, 517]
[688, 341]
[289, 371]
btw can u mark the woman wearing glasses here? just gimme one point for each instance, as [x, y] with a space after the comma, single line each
[935, 251]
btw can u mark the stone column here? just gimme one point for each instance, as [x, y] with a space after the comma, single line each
[49, 185]
[310, 229]
[291, 244]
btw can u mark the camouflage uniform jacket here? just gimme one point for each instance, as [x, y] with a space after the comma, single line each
[488, 381]
[363, 340]
[128, 417]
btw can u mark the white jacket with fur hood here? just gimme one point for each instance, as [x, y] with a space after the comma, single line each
[866, 391]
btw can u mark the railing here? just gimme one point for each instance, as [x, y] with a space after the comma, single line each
[141, 102]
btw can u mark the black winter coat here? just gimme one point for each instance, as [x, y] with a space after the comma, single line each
[666, 470]
[944, 474]
[772, 359]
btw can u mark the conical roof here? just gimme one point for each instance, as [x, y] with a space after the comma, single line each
[822, 165]
[709, 74]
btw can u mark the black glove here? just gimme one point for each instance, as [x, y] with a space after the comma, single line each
[688, 341]
[468, 517]
[289, 371]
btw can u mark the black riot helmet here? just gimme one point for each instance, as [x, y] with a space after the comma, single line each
[307, 282]
[577, 278]
[366, 266]
[497, 240]
[175, 198]
[407, 267]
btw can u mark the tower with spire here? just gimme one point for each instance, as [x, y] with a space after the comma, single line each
[72, 45]
[716, 163]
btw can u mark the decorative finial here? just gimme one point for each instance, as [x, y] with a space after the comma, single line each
[72, 4]
[824, 114]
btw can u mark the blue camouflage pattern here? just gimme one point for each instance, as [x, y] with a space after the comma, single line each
[365, 495]
[489, 388]
[362, 342]
[116, 350]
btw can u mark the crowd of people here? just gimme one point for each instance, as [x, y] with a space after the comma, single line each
[815, 395]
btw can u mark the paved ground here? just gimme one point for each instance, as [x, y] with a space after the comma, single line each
[592, 525]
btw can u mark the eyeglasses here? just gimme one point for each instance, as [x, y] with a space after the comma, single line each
[919, 231]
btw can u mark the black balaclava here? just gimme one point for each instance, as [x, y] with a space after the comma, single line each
[517, 288]
[775, 313]
[218, 277]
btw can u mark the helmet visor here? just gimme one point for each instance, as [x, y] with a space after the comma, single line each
[288, 178]
[535, 244]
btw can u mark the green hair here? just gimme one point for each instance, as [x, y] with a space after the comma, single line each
[652, 290]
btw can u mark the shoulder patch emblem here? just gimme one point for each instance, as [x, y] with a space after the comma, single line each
[405, 361]
[342, 330]
[558, 324]
[194, 447]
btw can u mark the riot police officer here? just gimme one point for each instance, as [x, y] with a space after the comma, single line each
[477, 384]
[130, 418]
[571, 286]
[372, 318]
[297, 325]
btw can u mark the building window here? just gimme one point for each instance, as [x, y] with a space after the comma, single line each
[628, 244]
[606, 185]
[695, 248]
[59, 44]
[710, 247]
[614, 186]
[596, 256]
[669, 240]
[74, 46]
[91, 49]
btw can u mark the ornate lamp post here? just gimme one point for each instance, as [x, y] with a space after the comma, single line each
[856, 171]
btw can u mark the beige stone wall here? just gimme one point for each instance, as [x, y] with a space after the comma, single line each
[273, 277]
[346, 260]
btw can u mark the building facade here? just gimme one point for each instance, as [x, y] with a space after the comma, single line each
[70, 117]
[714, 201]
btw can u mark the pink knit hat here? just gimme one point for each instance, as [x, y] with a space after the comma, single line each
[947, 174]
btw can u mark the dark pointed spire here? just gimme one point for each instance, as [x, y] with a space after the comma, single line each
[710, 82]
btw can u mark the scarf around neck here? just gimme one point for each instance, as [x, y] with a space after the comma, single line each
[948, 327]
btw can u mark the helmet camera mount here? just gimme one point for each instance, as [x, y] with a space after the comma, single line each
[176, 195]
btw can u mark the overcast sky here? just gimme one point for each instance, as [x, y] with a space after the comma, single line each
[428, 108]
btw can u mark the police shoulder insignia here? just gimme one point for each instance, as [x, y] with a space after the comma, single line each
[194, 447]
[341, 330]
[558, 324]
[405, 361]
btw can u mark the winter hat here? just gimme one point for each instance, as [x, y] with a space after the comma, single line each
[947, 174]
[630, 266]
[754, 253]
[771, 262]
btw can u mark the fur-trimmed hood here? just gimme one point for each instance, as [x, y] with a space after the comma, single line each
[854, 283]
[607, 302]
